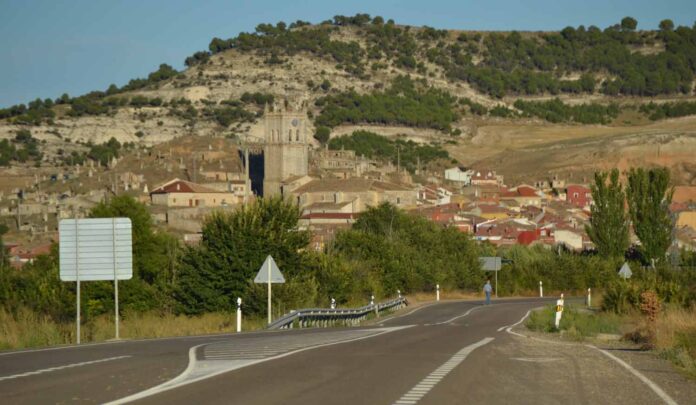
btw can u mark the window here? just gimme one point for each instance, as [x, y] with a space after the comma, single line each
[297, 135]
[289, 135]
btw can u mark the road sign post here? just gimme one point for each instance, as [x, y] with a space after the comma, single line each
[95, 249]
[269, 273]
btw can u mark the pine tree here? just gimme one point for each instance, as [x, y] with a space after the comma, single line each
[608, 227]
[649, 196]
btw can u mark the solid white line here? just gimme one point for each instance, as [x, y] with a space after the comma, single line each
[408, 313]
[181, 379]
[656, 389]
[46, 370]
[509, 328]
[423, 387]
[457, 317]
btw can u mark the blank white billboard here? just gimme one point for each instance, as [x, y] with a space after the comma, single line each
[97, 248]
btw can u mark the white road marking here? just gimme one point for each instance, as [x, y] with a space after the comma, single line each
[423, 387]
[656, 389]
[457, 317]
[408, 313]
[48, 370]
[185, 377]
[536, 359]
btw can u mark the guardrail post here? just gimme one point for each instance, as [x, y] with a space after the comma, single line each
[239, 314]
[541, 289]
[589, 297]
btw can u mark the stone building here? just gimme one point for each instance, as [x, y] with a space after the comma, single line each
[286, 147]
[352, 195]
[182, 193]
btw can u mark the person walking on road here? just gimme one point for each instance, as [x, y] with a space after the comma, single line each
[488, 289]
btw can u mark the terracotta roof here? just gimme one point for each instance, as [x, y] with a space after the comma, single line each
[329, 215]
[355, 184]
[183, 186]
[683, 194]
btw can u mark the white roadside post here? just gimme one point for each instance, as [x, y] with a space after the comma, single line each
[541, 289]
[333, 303]
[437, 292]
[589, 298]
[559, 311]
[399, 293]
[239, 314]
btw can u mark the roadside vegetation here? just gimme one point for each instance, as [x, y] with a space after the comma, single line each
[374, 146]
[658, 303]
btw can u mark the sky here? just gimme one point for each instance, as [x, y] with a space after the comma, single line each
[51, 47]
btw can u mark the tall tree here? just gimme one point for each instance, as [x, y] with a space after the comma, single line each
[233, 247]
[649, 195]
[629, 24]
[608, 227]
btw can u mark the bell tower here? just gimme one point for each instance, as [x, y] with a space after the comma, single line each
[286, 147]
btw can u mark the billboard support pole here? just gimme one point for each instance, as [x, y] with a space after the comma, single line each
[113, 239]
[77, 275]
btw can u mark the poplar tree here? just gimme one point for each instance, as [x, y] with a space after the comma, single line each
[608, 227]
[649, 196]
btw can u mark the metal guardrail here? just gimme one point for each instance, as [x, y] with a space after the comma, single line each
[324, 317]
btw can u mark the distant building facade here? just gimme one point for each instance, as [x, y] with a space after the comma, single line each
[286, 147]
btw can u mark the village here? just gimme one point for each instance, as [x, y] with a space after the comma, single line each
[183, 181]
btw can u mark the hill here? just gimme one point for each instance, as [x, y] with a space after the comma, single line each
[467, 91]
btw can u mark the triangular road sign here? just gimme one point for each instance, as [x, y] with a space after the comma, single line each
[625, 271]
[269, 270]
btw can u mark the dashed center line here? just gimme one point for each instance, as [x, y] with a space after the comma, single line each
[423, 387]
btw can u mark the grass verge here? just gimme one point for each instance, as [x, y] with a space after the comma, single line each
[26, 329]
[576, 323]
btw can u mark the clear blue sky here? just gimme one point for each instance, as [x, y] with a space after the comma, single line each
[48, 47]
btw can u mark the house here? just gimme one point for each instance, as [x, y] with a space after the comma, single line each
[579, 195]
[571, 239]
[486, 177]
[684, 195]
[182, 193]
[686, 219]
[434, 194]
[460, 175]
[524, 195]
[361, 193]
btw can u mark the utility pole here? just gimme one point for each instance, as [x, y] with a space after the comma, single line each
[398, 159]
[247, 183]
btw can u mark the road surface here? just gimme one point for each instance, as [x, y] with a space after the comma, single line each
[444, 353]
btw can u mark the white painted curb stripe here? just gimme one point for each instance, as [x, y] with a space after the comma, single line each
[47, 370]
[426, 384]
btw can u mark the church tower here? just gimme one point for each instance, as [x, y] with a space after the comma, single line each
[286, 147]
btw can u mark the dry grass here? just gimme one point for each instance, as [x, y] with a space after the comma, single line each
[673, 323]
[27, 329]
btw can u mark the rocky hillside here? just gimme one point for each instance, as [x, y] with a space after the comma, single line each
[482, 95]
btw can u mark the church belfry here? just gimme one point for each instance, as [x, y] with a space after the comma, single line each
[286, 147]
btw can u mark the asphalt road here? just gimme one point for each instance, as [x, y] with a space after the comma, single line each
[446, 353]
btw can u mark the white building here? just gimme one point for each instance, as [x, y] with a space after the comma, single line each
[459, 174]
